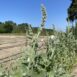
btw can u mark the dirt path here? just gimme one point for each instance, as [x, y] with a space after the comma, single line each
[11, 46]
[74, 71]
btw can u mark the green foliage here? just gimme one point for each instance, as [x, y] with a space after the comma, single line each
[74, 30]
[55, 61]
[22, 28]
[43, 32]
[7, 27]
[1, 28]
[72, 11]
[11, 27]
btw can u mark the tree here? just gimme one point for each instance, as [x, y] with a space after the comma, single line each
[1, 27]
[22, 28]
[72, 11]
[9, 26]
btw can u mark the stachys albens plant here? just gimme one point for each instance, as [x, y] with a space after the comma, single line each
[55, 60]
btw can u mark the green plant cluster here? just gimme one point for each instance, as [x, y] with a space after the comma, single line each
[13, 28]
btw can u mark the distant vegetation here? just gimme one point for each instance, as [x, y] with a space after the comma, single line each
[12, 27]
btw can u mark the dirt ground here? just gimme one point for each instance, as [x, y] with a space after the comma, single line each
[11, 45]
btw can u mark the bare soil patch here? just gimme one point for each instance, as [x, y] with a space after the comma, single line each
[11, 45]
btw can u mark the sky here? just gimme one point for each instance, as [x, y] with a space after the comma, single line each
[29, 11]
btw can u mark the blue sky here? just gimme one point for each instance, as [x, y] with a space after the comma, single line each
[29, 11]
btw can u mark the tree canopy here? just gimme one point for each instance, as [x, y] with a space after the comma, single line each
[12, 27]
[72, 11]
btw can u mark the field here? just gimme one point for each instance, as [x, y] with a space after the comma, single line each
[10, 47]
